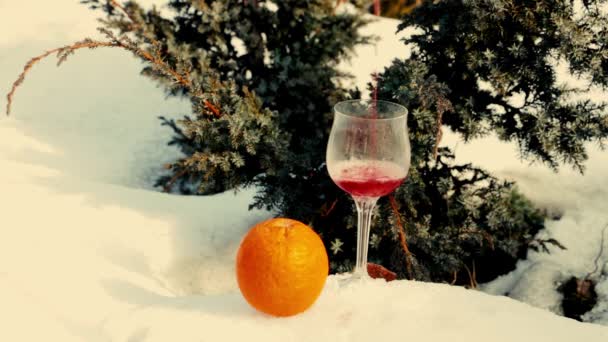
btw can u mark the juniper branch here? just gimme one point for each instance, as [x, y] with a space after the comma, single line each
[115, 4]
[156, 59]
[86, 43]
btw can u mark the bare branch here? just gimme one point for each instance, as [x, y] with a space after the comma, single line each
[124, 10]
[62, 54]
[599, 254]
[402, 237]
[125, 43]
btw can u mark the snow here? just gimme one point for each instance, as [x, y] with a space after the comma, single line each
[373, 310]
[92, 252]
[578, 200]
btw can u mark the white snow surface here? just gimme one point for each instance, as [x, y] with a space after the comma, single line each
[92, 252]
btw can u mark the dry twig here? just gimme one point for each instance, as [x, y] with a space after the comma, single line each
[472, 276]
[167, 188]
[454, 277]
[183, 79]
[326, 211]
[124, 10]
[87, 43]
[599, 254]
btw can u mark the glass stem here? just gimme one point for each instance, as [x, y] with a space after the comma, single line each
[365, 207]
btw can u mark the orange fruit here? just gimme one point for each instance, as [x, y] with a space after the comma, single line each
[281, 267]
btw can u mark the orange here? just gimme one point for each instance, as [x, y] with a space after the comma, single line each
[281, 267]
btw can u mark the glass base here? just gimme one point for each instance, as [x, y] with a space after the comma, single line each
[352, 278]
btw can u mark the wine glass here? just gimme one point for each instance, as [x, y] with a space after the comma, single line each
[368, 156]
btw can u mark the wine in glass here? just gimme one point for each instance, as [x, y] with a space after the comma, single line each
[368, 156]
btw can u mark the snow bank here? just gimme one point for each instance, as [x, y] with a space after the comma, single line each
[370, 311]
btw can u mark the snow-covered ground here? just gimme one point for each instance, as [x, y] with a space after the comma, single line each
[91, 252]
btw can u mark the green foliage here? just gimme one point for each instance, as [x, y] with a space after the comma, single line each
[459, 217]
[489, 66]
[228, 151]
[286, 52]
[462, 224]
[263, 78]
[498, 57]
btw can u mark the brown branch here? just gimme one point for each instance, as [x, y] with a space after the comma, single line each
[65, 51]
[377, 9]
[485, 235]
[213, 109]
[115, 3]
[599, 254]
[472, 276]
[78, 45]
[183, 80]
[325, 212]
[455, 277]
[475, 275]
[439, 134]
[157, 60]
[174, 179]
[402, 236]
[154, 59]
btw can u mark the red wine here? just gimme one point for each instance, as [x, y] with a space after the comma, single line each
[368, 179]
